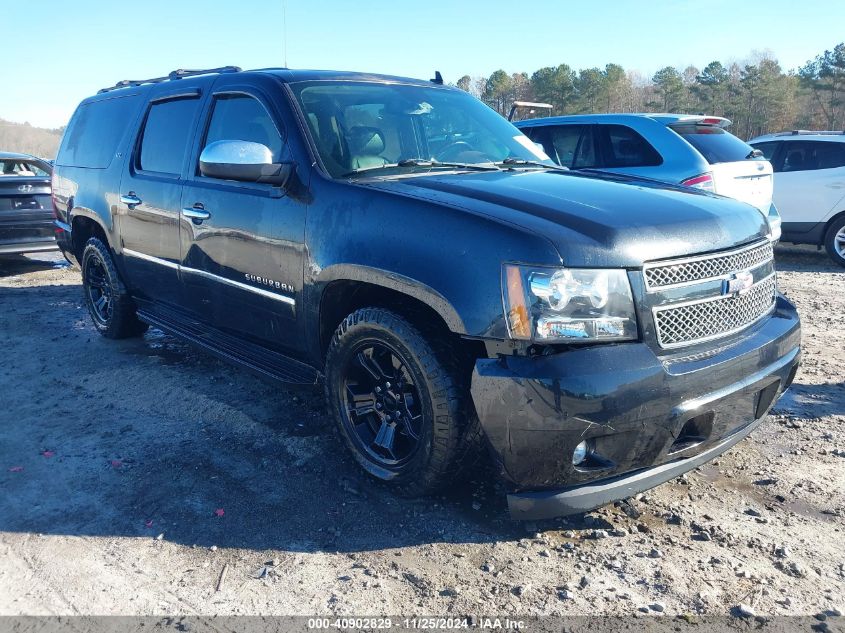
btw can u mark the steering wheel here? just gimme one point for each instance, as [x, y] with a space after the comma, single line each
[449, 152]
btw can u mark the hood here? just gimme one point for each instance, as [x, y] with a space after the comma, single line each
[593, 219]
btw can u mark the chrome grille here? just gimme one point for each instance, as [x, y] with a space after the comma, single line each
[693, 322]
[693, 270]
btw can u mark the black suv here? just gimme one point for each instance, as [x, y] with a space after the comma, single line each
[453, 288]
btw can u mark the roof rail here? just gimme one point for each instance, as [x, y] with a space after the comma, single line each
[801, 132]
[173, 75]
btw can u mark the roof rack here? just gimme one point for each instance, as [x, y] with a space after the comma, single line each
[179, 73]
[801, 132]
[533, 107]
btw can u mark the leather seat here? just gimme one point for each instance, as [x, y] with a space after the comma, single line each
[365, 147]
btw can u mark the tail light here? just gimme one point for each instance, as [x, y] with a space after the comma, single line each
[57, 208]
[53, 197]
[703, 181]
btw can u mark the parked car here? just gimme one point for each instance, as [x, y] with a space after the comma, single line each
[809, 188]
[691, 150]
[451, 287]
[26, 210]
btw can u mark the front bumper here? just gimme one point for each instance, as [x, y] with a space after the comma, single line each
[650, 416]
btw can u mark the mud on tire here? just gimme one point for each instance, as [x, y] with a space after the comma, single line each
[399, 402]
[111, 308]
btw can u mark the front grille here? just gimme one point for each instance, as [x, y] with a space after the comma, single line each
[693, 270]
[684, 324]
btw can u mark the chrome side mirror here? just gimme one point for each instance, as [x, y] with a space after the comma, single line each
[243, 161]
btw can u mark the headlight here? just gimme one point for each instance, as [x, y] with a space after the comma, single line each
[774, 220]
[573, 305]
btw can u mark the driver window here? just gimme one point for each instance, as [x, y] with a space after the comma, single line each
[565, 140]
[240, 117]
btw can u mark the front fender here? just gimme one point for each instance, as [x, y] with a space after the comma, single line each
[446, 256]
[399, 283]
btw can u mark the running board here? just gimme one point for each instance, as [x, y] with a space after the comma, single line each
[259, 360]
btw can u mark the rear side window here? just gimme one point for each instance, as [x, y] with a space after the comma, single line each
[624, 147]
[243, 118]
[828, 155]
[93, 134]
[167, 131]
[811, 155]
[714, 143]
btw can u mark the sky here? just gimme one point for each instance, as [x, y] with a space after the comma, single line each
[70, 49]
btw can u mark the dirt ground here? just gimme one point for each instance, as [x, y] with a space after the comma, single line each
[145, 477]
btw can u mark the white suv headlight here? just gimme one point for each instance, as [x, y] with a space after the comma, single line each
[573, 305]
[774, 220]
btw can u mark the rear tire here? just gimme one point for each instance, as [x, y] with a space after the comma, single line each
[834, 241]
[398, 401]
[110, 306]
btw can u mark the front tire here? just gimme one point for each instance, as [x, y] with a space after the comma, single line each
[110, 306]
[834, 241]
[397, 400]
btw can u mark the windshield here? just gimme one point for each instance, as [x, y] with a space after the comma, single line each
[715, 144]
[361, 127]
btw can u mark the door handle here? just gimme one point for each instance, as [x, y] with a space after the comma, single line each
[195, 214]
[130, 200]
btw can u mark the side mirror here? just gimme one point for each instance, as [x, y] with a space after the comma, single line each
[244, 161]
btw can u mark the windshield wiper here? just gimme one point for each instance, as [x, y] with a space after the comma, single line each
[422, 162]
[521, 162]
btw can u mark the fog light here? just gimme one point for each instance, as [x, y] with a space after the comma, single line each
[580, 453]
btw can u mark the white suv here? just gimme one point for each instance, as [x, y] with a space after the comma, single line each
[809, 186]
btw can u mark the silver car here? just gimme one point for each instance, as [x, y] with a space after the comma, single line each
[691, 150]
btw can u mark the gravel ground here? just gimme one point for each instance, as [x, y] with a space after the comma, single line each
[145, 477]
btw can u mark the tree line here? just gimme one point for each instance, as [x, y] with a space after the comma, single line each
[26, 139]
[757, 95]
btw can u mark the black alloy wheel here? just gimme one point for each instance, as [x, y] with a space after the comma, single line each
[399, 401]
[111, 307]
[99, 291]
[383, 406]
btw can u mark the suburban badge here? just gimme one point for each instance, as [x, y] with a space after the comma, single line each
[266, 281]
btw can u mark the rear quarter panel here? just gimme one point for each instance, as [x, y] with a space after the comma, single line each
[680, 159]
[94, 192]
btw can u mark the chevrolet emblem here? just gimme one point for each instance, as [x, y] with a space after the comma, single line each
[738, 283]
